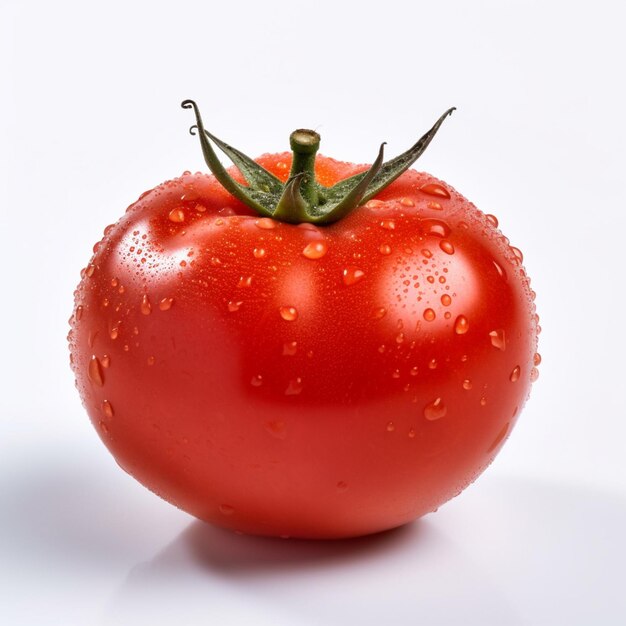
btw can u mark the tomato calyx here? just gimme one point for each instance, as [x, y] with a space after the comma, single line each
[302, 198]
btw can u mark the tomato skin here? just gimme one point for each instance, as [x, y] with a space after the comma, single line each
[304, 381]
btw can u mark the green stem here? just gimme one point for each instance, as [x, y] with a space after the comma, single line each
[305, 144]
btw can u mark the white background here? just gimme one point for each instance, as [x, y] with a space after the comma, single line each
[90, 118]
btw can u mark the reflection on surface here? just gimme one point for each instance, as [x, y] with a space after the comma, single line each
[88, 542]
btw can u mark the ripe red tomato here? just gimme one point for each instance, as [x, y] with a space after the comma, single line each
[303, 380]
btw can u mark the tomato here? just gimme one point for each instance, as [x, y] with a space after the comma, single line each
[298, 379]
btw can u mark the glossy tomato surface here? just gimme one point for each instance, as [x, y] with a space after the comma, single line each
[304, 381]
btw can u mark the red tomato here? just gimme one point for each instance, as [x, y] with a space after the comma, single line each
[301, 380]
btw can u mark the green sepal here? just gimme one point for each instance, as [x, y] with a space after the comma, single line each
[302, 198]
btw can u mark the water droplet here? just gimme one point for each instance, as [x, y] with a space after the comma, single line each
[498, 339]
[435, 410]
[315, 250]
[342, 485]
[226, 509]
[259, 253]
[396, 374]
[146, 307]
[400, 338]
[537, 358]
[407, 202]
[461, 325]
[388, 224]
[446, 246]
[276, 428]
[104, 427]
[244, 281]
[374, 204]
[385, 249]
[435, 189]
[412, 433]
[446, 300]
[534, 374]
[215, 262]
[492, 219]
[429, 315]
[94, 371]
[427, 253]
[432, 364]
[288, 313]
[390, 427]
[79, 312]
[177, 215]
[294, 387]
[467, 384]
[234, 305]
[166, 304]
[105, 361]
[265, 223]
[514, 377]
[517, 253]
[115, 331]
[150, 360]
[437, 228]
[483, 401]
[500, 270]
[379, 313]
[257, 380]
[352, 275]
[107, 409]
[290, 348]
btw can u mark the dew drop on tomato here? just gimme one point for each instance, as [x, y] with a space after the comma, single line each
[146, 307]
[107, 409]
[105, 361]
[315, 250]
[517, 253]
[498, 339]
[352, 275]
[534, 374]
[461, 325]
[515, 374]
[537, 358]
[435, 410]
[176, 215]
[265, 223]
[446, 246]
[226, 509]
[467, 384]
[492, 219]
[435, 189]
[166, 304]
[429, 315]
[234, 305]
[94, 371]
[288, 313]
[258, 253]
[446, 300]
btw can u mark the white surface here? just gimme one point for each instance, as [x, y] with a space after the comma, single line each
[90, 118]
